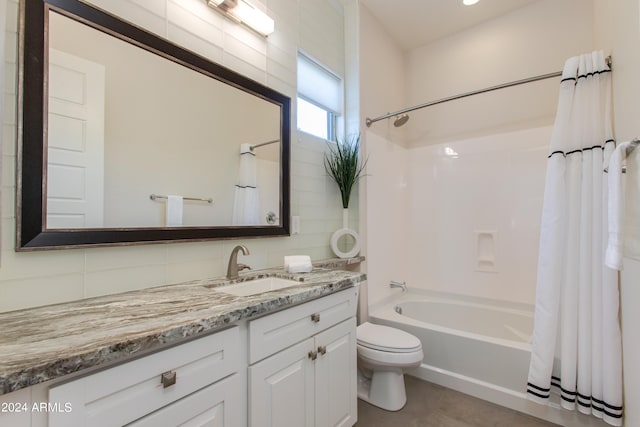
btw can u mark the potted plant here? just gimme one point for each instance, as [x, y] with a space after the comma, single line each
[343, 165]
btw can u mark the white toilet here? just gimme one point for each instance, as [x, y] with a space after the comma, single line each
[384, 353]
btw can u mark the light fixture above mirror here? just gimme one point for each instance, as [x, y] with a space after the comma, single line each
[244, 12]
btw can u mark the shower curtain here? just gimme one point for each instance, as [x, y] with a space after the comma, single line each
[246, 205]
[577, 346]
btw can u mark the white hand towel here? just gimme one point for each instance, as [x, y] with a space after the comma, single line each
[616, 208]
[297, 263]
[174, 211]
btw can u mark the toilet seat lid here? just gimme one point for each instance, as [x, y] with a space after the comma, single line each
[385, 338]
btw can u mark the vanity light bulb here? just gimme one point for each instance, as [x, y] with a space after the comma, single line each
[254, 18]
[244, 12]
[469, 2]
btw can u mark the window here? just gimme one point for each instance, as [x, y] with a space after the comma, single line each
[319, 98]
[315, 120]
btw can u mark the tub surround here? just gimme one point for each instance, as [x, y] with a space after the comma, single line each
[45, 343]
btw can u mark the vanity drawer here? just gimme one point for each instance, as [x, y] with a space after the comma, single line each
[125, 393]
[274, 332]
[220, 404]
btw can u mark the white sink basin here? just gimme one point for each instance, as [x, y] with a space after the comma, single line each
[256, 286]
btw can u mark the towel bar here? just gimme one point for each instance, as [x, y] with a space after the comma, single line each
[628, 151]
[197, 199]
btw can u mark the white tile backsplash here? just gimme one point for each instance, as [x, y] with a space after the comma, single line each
[156, 7]
[141, 14]
[43, 290]
[21, 265]
[201, 30]
[8, 134]
[10, 81]
[11, 25]
[100, 259]
[254, 54]
[195, 269]
[106, 282]
[209, 48]
[8, 178]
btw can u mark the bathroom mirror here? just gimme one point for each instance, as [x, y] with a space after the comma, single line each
[127, 138]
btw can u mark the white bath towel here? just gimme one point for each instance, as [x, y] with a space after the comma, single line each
[615, 244]
[174, 211]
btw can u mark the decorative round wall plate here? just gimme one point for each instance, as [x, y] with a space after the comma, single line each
[343, 232]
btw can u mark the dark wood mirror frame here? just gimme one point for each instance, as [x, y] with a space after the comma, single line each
[32, 233]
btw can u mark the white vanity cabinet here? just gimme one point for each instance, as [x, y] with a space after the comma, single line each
[199, 382]
[303, 365]
[291, 368]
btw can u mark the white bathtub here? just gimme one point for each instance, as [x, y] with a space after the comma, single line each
[479, 347]
[474, 339]
[482, 321]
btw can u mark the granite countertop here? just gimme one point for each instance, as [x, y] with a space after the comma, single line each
[45, 343]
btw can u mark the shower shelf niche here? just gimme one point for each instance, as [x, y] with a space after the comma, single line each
[486, 251]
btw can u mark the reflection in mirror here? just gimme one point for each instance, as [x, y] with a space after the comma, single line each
[141, 140]
[125, 123]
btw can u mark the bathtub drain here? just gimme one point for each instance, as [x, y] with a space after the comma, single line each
[398, 309]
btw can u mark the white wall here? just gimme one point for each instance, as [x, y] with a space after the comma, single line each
[383, 195]
[530, 41]
[382, 76]
[39, 278]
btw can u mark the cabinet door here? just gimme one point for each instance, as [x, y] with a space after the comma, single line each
[336, 379]
[219, 405]
[277, 331]
[281, 389]
[16, 408]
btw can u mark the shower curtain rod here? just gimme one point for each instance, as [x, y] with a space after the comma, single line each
[369, 121]
[264, 143]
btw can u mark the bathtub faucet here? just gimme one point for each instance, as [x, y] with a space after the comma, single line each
[395, 284]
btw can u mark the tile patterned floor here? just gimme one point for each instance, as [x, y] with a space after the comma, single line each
[431, 405]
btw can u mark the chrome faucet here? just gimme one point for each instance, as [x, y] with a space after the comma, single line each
[234, 267]
[394, 284]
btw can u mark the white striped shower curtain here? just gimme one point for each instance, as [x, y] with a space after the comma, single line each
[576, 346]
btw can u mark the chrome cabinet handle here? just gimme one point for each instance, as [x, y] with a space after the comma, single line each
[313, 355]
[315, 317]
[322, 350]
[168, 379]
